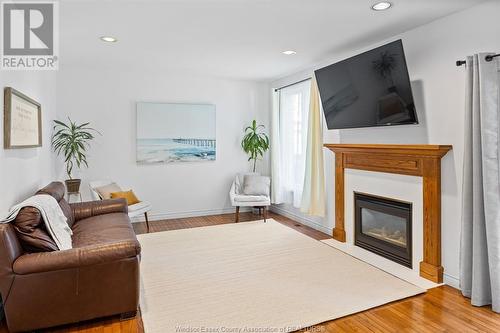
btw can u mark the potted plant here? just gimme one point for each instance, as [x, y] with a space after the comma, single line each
[255, 142]
[391, 107]
[385, 66]
[72, 141]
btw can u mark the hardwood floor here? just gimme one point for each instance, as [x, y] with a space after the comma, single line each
[441, 309]
[194, 222]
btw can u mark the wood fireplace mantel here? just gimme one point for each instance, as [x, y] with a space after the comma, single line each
[413, 160]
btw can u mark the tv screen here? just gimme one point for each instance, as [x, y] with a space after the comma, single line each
[370, 89]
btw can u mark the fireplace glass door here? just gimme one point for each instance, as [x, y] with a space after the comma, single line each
[383, 226]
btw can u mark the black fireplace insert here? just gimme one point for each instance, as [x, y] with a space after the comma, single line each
[383, 226]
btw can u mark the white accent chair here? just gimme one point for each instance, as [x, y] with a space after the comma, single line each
[239, 199]
[135, 210]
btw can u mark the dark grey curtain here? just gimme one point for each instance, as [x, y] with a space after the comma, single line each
[480, 238]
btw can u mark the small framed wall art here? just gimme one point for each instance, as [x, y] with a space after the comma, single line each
[22, 120]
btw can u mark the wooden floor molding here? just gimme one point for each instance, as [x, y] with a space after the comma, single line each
[441, 309]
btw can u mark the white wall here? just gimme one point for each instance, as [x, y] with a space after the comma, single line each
[23, 171]
[107, 99]
[438, 85]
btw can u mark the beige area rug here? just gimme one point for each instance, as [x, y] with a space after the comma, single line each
[253, 277]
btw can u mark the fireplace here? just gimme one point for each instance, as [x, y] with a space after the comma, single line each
[383, 226]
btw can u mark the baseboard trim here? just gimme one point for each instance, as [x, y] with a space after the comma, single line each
[451, 281]
[192, 213]
[301, 219]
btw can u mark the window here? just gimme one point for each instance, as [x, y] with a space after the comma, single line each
[293, 121]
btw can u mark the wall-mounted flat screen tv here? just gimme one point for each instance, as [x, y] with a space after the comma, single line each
[370, 89]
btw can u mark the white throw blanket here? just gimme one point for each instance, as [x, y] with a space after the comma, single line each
[52, 215]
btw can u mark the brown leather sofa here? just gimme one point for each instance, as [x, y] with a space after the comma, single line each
[43, 287]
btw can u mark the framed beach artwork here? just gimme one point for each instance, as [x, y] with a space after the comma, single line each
[22, 120]
[169, 133]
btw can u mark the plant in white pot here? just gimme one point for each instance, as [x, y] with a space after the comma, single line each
[72, 141]
[255, 142]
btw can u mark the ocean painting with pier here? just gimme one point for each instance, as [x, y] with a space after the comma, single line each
[169, 133]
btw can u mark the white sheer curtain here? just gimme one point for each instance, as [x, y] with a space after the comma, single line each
[293, 125]
[276, 191]
[313, 196]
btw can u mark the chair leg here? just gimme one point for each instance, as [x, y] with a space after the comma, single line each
[265, 214]
[147, 222]
[237, 214]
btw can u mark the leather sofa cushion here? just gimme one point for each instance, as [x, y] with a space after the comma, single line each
[31, 231]
[76, 257]
[30, 227]
[55, 189]
[84, 210]
[100, 229]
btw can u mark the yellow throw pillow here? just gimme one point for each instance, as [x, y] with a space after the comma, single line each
[127, 195]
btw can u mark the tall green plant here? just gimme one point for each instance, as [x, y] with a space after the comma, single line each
[255, 143]
[72, 141]
[385, 66]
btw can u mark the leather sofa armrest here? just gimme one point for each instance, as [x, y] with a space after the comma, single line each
[88, 209]
[76, 257]
[10, 250]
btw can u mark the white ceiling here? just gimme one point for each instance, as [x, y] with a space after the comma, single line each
[240, 39]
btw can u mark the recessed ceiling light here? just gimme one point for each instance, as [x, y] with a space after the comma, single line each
[383, 5]
[108, 39]
[289, 52]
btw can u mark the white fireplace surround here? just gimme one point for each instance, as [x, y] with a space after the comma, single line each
[393, 186]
